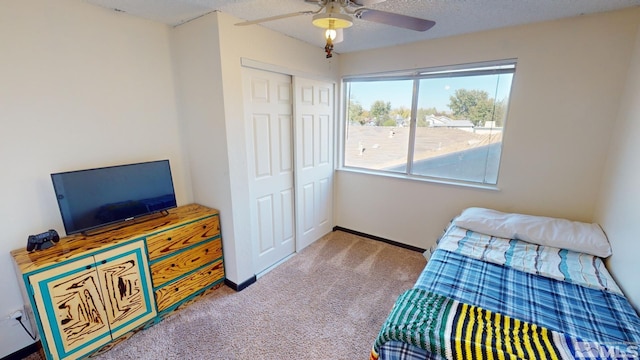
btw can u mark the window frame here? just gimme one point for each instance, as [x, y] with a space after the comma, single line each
[494, 67]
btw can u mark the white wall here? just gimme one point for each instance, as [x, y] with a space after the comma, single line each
[80, 87]
[196, 54]
[208, 52]
[83, 87]
[620, 197]
[569, 78]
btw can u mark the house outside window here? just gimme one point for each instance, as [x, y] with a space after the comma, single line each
[443, 124]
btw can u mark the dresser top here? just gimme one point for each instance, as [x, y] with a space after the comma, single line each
[77, 245]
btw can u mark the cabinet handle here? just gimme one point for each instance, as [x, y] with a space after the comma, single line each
[206, 251]
[204, 226]
[104, 261]
[169, 239]
[88, 267]
[173, 265]
[177, 289]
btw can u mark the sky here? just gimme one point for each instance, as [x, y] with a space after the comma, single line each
[433, 92]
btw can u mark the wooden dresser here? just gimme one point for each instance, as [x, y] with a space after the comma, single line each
[86, 293]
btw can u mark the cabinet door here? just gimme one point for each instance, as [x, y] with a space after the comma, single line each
[86, 303]
[71, 309]
[126, 287]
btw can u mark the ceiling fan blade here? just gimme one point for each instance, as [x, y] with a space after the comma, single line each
[277, 17]
[398, 20]
[367, 2]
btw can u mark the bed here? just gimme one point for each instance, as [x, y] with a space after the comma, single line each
[502, 285]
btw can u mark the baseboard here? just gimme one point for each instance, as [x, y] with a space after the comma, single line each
[24, 352]
[377, 238]
[241, 286]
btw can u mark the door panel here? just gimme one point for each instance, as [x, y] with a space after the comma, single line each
[286, 152]
[308, 201]
[323, 205]
[324, 140]
[268, 110]
[288, 220]
[265, 224]
[314, 162]
[262, 143]
[307, 141]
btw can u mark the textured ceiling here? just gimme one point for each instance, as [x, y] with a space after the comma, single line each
[452, 17]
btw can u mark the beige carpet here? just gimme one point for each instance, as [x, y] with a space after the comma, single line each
[327, 302]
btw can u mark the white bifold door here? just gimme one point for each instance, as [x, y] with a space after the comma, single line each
[314, 127]
[290, 157]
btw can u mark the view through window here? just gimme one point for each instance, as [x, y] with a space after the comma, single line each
[444, 124]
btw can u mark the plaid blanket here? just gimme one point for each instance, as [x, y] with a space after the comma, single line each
[568, 308]
[454, 330]
[601, 317]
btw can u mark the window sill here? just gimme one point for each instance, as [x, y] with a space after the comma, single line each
[419, 178]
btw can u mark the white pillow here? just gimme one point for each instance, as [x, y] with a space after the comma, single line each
[560, 233]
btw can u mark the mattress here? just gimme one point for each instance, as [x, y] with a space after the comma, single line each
[566, 292]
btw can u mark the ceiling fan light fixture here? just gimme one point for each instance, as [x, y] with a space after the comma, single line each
[330, 34]
[332, 21]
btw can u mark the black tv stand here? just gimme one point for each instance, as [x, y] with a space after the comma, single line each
[125, 223]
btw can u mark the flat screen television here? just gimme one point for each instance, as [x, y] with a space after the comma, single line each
[93, 198]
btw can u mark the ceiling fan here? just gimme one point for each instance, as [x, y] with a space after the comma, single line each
[335, 15]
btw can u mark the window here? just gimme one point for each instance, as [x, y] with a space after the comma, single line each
[434, 123]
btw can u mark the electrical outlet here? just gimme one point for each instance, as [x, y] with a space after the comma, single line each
[16, 314]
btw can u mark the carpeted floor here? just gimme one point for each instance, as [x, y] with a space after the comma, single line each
[327, 302]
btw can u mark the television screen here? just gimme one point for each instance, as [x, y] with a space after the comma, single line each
[92, 198]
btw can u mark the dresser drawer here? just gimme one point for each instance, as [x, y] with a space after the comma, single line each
[174, 266]
[181, 289]
[181, 237]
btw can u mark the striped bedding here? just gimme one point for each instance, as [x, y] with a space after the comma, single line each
[455, 330]
[592, 310]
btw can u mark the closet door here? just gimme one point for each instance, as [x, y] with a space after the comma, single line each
[268, 115]
[314, 124]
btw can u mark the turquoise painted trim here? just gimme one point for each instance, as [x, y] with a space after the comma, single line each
[84, 256]
[31, 294]
[32, 300]
[188, 273]
[51, 315]
[189, 298]
[181, 225]
[185, 249]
